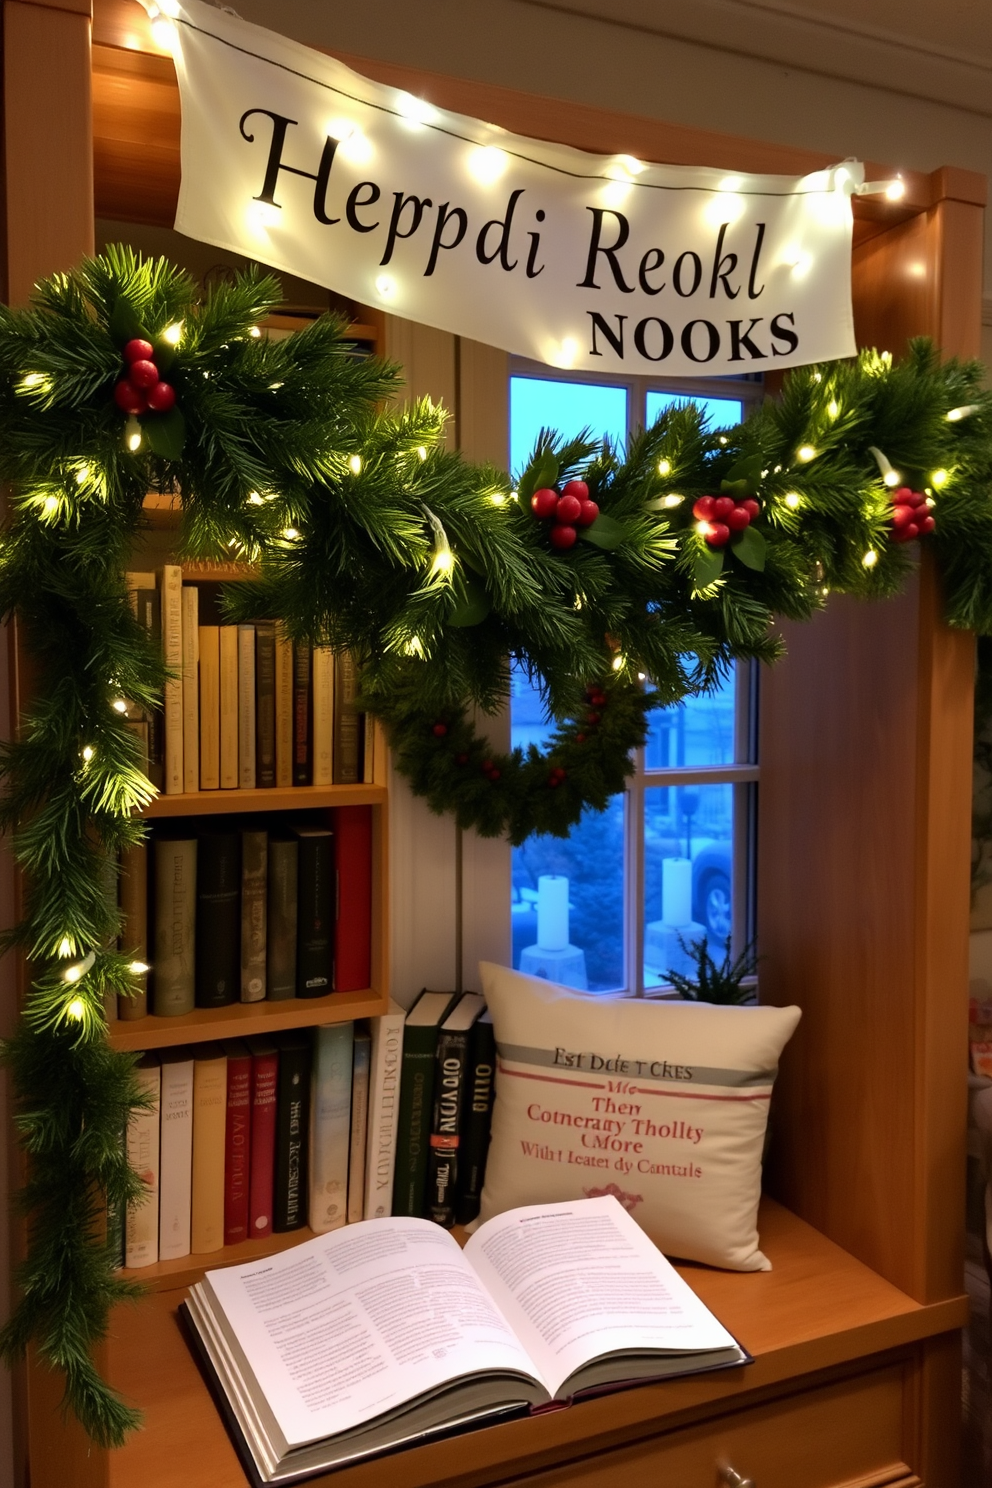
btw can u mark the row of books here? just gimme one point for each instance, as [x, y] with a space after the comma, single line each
[245, 707]
[319, 1127]
[247, 910]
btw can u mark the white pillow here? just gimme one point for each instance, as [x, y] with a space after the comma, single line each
[662, 1104]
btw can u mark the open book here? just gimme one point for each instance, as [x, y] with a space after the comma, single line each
[386, 1333]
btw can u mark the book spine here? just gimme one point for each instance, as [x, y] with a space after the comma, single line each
[368, 749]
[228, 651]
[209, 1134]
[315, 915]
[175, 1190]
[209, 647]
[172, 654]
[148, 602]
[302, 758]
[323, 715]
[349, 728]
[254, 896]
[191, 687]
[358, 1152]
[218, 918]
[246, 707]
[134, 922]
[292, 1129]
[264, 1086]
[237, 1148]
[265, 703]
[449, 1083]
[281, 926]
[141, 1230]
[353, 923]
[330, 1127]
[414, 1127]
[477, 1115]
[174, 991]
[284, 708]
[384, 1094]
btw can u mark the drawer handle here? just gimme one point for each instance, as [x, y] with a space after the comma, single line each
[728, 1478]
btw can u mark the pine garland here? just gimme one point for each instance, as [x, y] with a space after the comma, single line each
[365, 533]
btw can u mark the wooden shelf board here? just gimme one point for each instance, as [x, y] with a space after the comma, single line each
[293, 798]
[244, 1018]
[817, 1309]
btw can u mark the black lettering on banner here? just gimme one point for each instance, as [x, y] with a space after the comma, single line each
[652, 260]
[614, 338]
[697, 273]
[782, 333]
[640, 338]
[444, 216]
[739, 339]
[753, 293]
[721, 274]
[355, 200]
[609, 253]
[400, 203]
[713, 336]
[321, 176]
[535, 240]
[505, 224]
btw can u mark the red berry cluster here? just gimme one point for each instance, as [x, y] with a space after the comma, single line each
[725, 515]
[490, 770]
[555, 777]
[142, 390]
[596, 698]
[566, 512]
[910, 515]
[439, 730]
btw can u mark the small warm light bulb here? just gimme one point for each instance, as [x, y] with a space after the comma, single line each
[132, 434]
[957, 414]
[631, 164]
[618, 662]
[73, 973]
[422, 451]
[939, 478]
[88, 753]
[817, 376]
[487, 163]
[254, 332]
[664, 467]
[891, 478]
[119, 705]
[806, 452]
[833, 408]
[703, 528]
[82, 475]
[723, 439]
[138, 968]
[497, 498]
[173, 333]
[793, 500]
[164, 33]
[514, 495]
[50, 506]
[65, 946]
[870, 559]
[896, 190]
[75, 1009]
[290, 533]
[673, 500]
[444, 563]
[254, 499]
[355, 464]
[385, 286]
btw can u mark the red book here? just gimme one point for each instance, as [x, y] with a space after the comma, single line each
[264, 1081]
[353, 932]
[238, 1142]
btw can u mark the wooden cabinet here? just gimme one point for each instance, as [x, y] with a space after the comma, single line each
[862, 886]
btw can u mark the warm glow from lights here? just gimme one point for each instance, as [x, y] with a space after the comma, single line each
[817, 376]
[422, 451]
[664, 467]
[891, 478]
[341, 129]
[73, 973]
[138, 968]
[65, 946]
[564, 352]
[957, 414]
[173, 334]
[833, 408]
[262, 215]
[939, 478]
[76, 1009]
[254, 499]
[793, 500]
[254, 332]
[895, 190]
[723, 439]
[119, 705]
[50, 506]
[673, 500]
[497, 498]
[487, 163]
[82, 475]
[290, 533]
[806, 452]
[444, 563]
[870, 559]
[703, 528]
[416, 111]
[164, 33]
[725, 206]
[132, 435]
[355, 464]
[631, 164]
[385, 286]
[88, 753]
[618, 662]
[357, 148]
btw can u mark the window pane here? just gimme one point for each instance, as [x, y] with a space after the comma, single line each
[722, 413]
[688, 874]
[570, 893]
[537, 403]
[698, 732]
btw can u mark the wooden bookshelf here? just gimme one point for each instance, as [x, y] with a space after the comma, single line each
[288, 798]
[240, 1019]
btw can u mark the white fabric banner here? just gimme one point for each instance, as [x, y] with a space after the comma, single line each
[599, 263]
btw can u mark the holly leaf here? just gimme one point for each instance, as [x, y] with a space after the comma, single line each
[540, 473]
[747, 473]
[750, 547]
[605, 533]
[124, 325]
[165, 356]
[707, 567]
[165, 433]
[472, 608]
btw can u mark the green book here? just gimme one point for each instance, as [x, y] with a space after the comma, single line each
[413, 1136]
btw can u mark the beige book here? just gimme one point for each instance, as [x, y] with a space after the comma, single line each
[246, 707]
[172, 652]
[284, 708]
[368, 752]
[209, 707]
[134, 922]
[141, 1228]
[209, 1127]
[191, 688]
[323, 715]
[228, 651]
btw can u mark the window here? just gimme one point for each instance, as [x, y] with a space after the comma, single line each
[670, 859]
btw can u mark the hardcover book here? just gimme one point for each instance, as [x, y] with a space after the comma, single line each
[449, 1087]
[420, 1034]
[254, 913]
[229, 709]
[265, 703]
[555, 1302]
[384, 1101]
[237, 1142]
[175, 1184]
[282, 918]
[264, 1088]
[209, 649]
[330, 1126]
[191, 687]
[218, 918]
[284, 708]
[477, 1116]
[172, 692]
[141, 1227]
[174, 989]
[146, 603]
[353, 924]
[289, 1206]
[359, 1122]
[134, 921]
[315, 911]
[349, 724]
[322, 682]
[247, 736]
[209, 1143]
[302, 757]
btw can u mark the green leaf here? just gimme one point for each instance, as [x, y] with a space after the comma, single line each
[165, 356]
[473, 608]
[707, 566]
[750, 547]
[605, 533]
[124, 325]
[165, 433]
[737, 488]
[540, 473]
[746, 472]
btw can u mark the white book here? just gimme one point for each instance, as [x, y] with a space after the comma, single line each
[191, 687]
[323, 715]
[546, 1303]
[172, 693]
[384, 1097]
[359, 1124]
[141, 1229]
[176, 1157]
[330, 1126]
[246, 707]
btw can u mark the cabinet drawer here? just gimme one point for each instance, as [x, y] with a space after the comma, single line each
[844, 1435]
